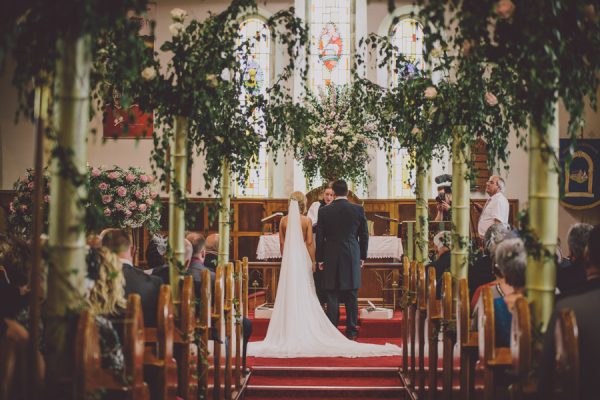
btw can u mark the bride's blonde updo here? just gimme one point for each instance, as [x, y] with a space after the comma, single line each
[301, 199]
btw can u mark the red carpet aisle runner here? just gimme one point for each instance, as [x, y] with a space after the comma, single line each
[332, 378]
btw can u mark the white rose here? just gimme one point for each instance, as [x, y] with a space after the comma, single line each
[490, 99]
[226, 75]
[315, 141]
[178, 14]
[219, 139]
[436, 53]
[149, 73]
[334, 146]
[338, 138]
[212, 80]
[176, 28]
[430, 93]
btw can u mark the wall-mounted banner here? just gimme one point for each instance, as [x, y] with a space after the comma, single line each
[580, 180]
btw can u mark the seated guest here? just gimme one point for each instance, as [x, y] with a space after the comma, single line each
[107, 300]
[570, 274]
[136, 281]
[197, 262]
[482, 272]
[155, 256]
[586, 305]
[441, 241]
[212, 252]
[511, 258]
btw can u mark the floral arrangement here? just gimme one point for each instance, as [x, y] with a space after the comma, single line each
[125, 199]
[336, 144]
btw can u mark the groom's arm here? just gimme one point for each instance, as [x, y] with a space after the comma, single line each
[363, 235]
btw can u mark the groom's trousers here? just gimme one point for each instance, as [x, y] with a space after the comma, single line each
[350, 299]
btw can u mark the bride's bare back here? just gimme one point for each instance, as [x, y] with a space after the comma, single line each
[307, 234]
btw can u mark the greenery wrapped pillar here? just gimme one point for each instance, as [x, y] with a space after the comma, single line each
[66, 277]
[422, 211]
[224, 212]
[177, 196]
[543, 220]
[461, 198]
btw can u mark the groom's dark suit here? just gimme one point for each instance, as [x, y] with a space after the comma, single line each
[342, 242]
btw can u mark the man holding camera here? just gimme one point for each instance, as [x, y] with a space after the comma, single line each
[444, 197]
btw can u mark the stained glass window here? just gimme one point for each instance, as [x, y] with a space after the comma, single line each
[257, 77]
[330, 42]
[407, 37]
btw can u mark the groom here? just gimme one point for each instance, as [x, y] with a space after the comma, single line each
[342, 241]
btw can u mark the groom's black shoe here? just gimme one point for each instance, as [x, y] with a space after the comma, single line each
[351, 335]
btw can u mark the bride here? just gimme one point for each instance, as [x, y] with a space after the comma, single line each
[298, 325]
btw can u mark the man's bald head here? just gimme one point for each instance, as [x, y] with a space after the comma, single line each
[212, 243]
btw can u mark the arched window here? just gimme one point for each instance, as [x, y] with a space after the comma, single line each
[257, 77]
[407, 36]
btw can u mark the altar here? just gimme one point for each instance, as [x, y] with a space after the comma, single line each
[379, 247]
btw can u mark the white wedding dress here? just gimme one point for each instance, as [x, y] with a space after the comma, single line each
[298, 325]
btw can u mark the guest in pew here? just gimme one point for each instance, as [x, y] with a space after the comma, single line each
[441, 241]
[197, 262]
[511, 260]
[212, 252]
[482, 271]
[570, 274]
[155, 257]
[585, 302]
[136, 281]
[107, 300]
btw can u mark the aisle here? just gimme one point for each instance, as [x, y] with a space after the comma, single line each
[369, 378]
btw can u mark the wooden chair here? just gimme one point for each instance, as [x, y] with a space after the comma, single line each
[466, 347]
[567, 356]
[420, 316]
[493, 359]
[90, 378]
[203, 325]
[412, 312]
[405, 306]
[521, 350]
[184, 341]
[431, 332]
[447, 321]
[160, 361]
[216, 322]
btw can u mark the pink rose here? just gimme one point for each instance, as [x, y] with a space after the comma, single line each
[127, 213]
[130, 178]
[11, 207]
[107, 198]
[144, 178]
[46, 198]
[132, 205]
[430, 93]
[153, 194]
[121, 191]
[146, 191]
[96, 172]
[138, 194]
[415, 131]
[107, 212]
[119, 206]
[504, 9]
[150, 179]
[103, 186]
[149, 202]
[490, 99]
[113, 175]
[142, 207]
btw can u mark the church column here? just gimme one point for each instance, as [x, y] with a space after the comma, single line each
[543, 218]
[66, 278]
[461, 186]
[177, 195]
[224, 213]
[422, 211]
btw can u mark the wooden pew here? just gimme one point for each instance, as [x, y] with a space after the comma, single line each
[405, 306]
[431, 332]
[228, 315]
[567, 375]
[412, 311]
[203, 324]
[15, 373]
[216, 322]
[90, 378]
[420, 316]
[521, 351]
[184, 340]
[493, 359]
[466, 348]
[238, 374]
[160, 361]
[447, 322]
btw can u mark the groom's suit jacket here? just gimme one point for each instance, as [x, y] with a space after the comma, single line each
[342, 241]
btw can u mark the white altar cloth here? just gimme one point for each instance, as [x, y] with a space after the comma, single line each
[379, 247]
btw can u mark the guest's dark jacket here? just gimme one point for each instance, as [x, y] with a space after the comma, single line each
[210, 261]
[147, 286]
[570, 276]
[586, 304]
[480, 273]
[342, 241]
[195, 269]
[441, 265]
[162, 272]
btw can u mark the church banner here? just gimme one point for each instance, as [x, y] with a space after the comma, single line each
[580, 180]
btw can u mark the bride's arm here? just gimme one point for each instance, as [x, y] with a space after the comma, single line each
[282, 226]
[309, 242]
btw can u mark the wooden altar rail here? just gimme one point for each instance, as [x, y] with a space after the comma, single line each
[264, 275]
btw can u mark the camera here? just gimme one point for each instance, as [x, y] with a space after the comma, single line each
[441, 198]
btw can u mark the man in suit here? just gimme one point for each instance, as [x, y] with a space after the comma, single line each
[136, 281]
[342, 242]
[197, 264]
